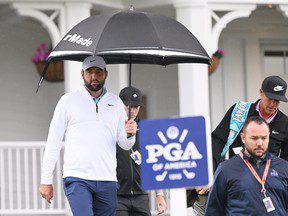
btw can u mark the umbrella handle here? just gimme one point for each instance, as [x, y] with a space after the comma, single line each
[129, 95]
[42, 75]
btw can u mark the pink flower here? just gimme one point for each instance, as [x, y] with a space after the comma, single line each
[43, 46]
[222, 52]
[219, 53]
[41, 54]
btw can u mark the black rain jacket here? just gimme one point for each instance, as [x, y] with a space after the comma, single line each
[128, 172]
[278, 144]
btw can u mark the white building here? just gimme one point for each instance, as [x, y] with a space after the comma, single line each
[253, 34]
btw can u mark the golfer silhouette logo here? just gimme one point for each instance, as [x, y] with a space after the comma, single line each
[178, 161]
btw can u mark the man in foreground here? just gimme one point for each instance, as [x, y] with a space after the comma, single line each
[255, 182]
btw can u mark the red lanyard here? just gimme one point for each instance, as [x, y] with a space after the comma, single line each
[262, 182]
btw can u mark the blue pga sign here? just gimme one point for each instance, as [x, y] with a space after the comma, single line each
[176, 153]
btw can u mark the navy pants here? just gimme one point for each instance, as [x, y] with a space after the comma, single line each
[91, 198]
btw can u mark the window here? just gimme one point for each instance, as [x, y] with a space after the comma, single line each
[275, 60]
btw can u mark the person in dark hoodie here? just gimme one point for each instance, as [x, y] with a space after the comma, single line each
[132, 199]
[254, 182]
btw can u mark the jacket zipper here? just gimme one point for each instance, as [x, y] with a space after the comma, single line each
[97, 111]
[96, 107]
[258, 169]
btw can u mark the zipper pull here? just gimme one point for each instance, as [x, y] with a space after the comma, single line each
[97, 113]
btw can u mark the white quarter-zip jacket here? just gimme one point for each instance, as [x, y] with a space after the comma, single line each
[90, 134]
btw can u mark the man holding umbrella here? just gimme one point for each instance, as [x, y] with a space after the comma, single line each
[91, 121]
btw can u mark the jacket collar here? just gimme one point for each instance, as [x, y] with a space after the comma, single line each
[267, 157]
[85, 92]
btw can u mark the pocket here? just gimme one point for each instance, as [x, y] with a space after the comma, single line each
[68, 185]
[108, 185]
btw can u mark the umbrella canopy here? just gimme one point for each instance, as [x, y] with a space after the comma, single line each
[131, 37]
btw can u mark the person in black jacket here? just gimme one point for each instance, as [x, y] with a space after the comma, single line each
[272, 91]
[132, 199]
[254, 182]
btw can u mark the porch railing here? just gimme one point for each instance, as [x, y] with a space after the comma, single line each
[20, 168]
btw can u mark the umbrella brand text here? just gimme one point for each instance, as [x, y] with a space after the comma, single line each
[78, 39]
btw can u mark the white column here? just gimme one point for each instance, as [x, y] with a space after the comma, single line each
[75, 12]
[192, 78]
[253, 68]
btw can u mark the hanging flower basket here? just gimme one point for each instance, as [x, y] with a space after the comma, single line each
[54, 71]
[215, 60]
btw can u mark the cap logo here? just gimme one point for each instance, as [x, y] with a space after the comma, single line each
[92, 60]
[134, 95]
[278, 88]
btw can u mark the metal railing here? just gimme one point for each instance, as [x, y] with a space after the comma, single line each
[20, 170]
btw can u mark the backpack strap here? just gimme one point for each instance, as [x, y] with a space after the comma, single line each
[238, 117]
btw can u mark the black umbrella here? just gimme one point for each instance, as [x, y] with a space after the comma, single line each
[129, 37]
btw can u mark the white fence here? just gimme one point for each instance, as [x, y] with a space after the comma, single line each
[20, 167]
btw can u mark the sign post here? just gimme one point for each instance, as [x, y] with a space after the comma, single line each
[176, 153]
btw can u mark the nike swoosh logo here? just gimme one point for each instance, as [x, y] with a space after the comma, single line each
[278, 88]
[92, 61]
[275, 132]
[110, 104]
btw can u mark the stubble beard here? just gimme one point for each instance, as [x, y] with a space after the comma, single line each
[253, 155]
[94, 89]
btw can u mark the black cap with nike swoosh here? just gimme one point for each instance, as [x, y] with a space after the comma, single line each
[135, 99]
[274, 87]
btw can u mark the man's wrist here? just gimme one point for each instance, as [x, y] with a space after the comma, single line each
[46, 181]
